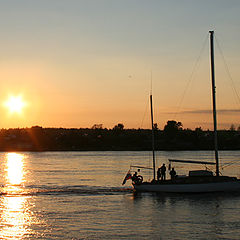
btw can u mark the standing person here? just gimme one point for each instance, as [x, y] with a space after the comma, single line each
[163, 172]
[158, 174]
[173, 174]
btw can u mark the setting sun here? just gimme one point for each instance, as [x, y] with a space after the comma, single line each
[15, 104]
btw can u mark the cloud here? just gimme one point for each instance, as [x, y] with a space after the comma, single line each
[209, 111]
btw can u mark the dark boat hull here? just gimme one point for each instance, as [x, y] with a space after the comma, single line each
[229, 185]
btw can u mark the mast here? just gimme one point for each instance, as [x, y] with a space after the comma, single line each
[214, 100]
[153, 144]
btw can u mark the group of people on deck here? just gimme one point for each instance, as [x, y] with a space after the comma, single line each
[161, 173]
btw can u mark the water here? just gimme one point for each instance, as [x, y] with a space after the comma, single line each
[78, 195]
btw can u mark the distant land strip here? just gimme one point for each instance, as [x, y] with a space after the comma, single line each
[173, 137]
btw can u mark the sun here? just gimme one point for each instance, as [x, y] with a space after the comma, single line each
[15, 104]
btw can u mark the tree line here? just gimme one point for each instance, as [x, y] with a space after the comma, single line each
[97, 138]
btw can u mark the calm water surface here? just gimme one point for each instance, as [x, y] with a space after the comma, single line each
[78, 195]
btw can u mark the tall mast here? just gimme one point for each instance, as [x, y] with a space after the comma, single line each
[153, 143]
[214, 100]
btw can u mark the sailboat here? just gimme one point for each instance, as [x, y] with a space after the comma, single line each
[197, 181]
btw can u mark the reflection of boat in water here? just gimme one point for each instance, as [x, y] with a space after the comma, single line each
[197, 181]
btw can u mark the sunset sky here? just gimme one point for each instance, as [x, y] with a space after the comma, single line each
[76, 63]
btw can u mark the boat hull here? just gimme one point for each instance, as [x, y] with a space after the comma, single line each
[232, 186]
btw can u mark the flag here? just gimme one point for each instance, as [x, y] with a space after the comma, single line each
[128, 176]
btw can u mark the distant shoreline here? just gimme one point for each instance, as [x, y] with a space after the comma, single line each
[38, 139]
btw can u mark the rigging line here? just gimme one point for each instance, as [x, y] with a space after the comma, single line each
[145, 112]
[229, 164]
[144, 115]
[228, 71]
[190, 80]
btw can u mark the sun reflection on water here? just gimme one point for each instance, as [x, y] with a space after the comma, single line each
[15, 214]
[14, 217]
[15, 171]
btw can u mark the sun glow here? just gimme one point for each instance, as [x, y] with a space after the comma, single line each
[15, 104]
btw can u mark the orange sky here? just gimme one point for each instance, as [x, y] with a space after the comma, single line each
[78, 63]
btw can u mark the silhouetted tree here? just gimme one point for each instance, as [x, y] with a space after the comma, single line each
[97, 126]
[118, 127]
[172, 128]
[232, 128]
[198, 130]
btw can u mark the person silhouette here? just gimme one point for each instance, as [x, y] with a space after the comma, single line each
[173, 174]
[163, 172]
[158, 174]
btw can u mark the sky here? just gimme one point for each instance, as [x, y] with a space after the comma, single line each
[76, 63]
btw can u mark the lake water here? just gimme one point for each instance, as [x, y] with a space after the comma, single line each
[78, 195]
